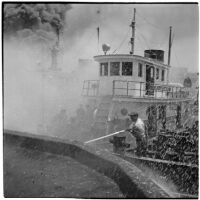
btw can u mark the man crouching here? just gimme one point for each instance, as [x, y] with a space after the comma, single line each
[137, 129]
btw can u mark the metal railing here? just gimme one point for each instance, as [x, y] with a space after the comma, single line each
[128, 88]
[144, 89]
[90, 88]
[136, 89]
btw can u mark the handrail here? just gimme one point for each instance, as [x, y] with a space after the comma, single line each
[137, 89]
[90, 88]
[149, 90]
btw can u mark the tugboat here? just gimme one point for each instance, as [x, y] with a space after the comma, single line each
[129, 82]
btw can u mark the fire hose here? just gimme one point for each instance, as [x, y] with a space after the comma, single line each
[106, 136]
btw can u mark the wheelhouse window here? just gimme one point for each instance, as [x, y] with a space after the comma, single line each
[163, 75]
[104, 69]
[114, 68]
[157, 73]
[139, 69]
[127, 68]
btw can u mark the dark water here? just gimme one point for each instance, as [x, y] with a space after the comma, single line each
[29, 173]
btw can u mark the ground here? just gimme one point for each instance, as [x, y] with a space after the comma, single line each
[29, 173]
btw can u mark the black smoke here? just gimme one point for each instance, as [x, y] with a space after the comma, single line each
[30, 18]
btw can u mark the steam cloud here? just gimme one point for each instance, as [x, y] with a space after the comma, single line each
[32, 94]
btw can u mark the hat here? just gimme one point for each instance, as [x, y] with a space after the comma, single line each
[133, 114]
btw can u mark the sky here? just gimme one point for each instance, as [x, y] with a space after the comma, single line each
[152, 30]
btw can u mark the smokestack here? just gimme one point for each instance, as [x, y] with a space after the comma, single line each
[54, 56]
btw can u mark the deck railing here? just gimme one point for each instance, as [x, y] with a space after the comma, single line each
[90, 88]
[136, 89]
[144, 89]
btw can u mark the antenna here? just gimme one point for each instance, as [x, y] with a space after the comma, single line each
[98, 12]
[170, 44]
[133, 33]
[98, 32]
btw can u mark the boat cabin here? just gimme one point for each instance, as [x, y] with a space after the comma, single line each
[128, 75]
[125, 75]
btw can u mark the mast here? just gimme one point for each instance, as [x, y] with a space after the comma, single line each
[170, 44]
[133, 33]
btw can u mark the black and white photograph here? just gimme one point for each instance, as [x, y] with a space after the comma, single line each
[100, 100]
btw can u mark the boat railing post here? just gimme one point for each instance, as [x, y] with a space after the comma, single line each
[83, 89]
[94, 88]
[175, 92]
[180, 92]
[113, 87]
[155, 91]
[88, 88]
[127, 85]
[140, 89]
[167, 91]
[98, 88]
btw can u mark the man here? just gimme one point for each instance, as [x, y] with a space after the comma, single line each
[137, 129]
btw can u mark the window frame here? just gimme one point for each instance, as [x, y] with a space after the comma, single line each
[140, 70]
[111, 73]
[127, 66]
[103, 65]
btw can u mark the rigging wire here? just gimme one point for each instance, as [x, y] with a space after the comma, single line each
[153, 25]
[147, 44]
[140, 42]
[164, 41]
[150, 23]
[89, 39]
[122, 42]
[160, 45]
[176, 58]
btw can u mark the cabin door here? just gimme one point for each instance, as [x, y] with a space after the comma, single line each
[150, 73]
